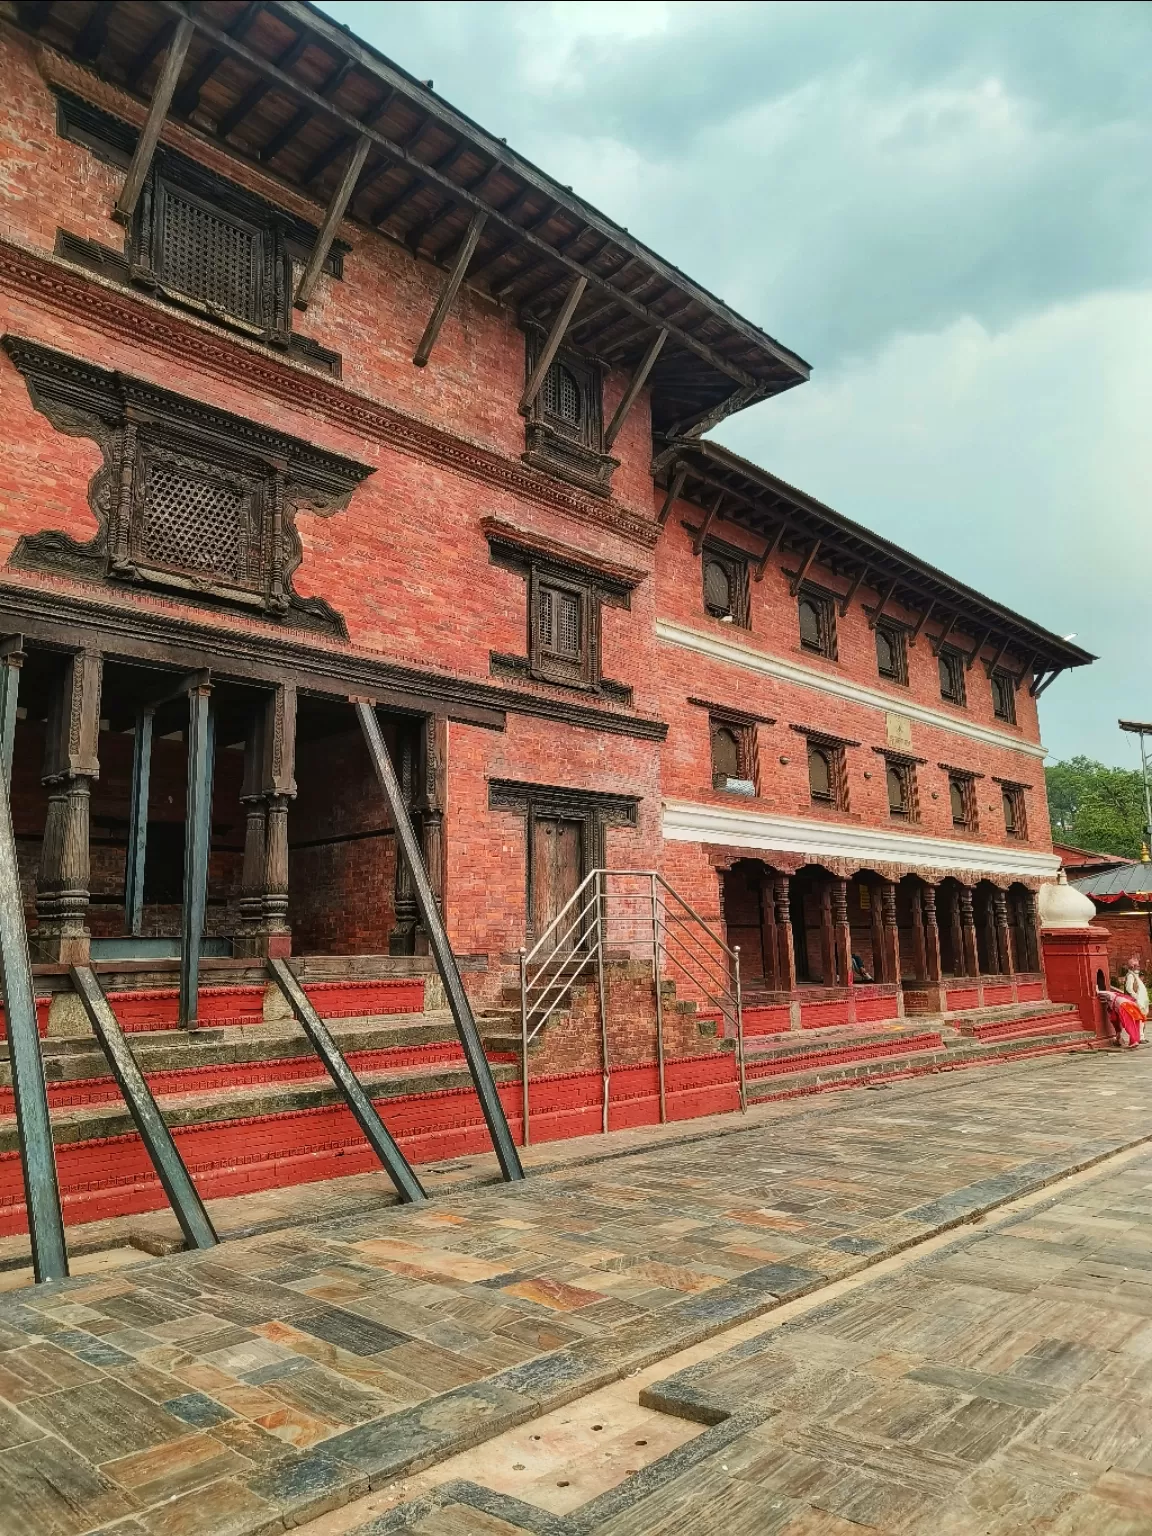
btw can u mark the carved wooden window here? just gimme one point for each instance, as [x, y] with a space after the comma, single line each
[891, 653]
[962, 799]
[561, 640]
[190, 514]
[203, 252]
[725, 576]
[901, 790]
[565, 421]
[817, 624]
[951, 667]
[1015, 823]
[733, 746]
[1004, 697]
[565, 402]
[826, 776]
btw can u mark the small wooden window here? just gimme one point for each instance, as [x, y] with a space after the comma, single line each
[817, 626]
[891, 653]
[564, 400]
[1004, 697]
[1013, 803]
[826, 774]
[560, 640]
[961, 798]
[733, 756]
[725, 586]
[901, 801]
[951, 665]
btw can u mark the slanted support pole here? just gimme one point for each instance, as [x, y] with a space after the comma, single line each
[451, 288]
[393, 1161]
[885, 597]
[138, 824]
[11, 660]
[857, 583]
[808, 562]
[925, 615]
[33, 1125]
[551, 347]
[673, 494]
[704, 528]
[773, 546]
[183, 1197]
[154, 123]
[631, 394]
[970, 659]
[197, 841]
[340, 200]
[482, 1079]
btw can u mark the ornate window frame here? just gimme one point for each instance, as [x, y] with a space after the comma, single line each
[566, 443]
[897, 637]
[824, 604]
[953, 690]
[734, 562]
[138, 426]
[1003, 686]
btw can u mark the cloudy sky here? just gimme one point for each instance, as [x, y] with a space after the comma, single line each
[946, 208]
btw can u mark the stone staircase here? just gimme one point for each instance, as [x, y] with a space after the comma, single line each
[815, 1060]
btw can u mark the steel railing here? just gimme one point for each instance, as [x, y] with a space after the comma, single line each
[634, 911]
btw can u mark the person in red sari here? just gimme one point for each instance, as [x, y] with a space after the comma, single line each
[1123, 1014]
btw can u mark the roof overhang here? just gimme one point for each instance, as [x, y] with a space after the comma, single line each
[790, 519]
[284, 87]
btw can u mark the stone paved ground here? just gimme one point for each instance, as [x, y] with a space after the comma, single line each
[248, 1389]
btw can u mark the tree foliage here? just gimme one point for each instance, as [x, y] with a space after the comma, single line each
[1096, 807]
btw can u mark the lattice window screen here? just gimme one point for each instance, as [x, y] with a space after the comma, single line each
[194, 522]
[559, 623]
[211, 258]
[562, 398]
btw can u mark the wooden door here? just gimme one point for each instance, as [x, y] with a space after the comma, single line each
[557, 869]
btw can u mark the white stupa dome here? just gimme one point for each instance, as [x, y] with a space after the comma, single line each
[1063, 906]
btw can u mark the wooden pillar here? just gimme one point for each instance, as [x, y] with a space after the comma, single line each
[11, 660]
[402, 939]
[769, 939]
[197, 847]
[841, 932]
[269, 785]
[70, 764]
[919, 940]
[785, 947]
[431, 802]
[876, 919]
[135, 859]
[968, 943]
[1030, 928]
[1005, 959]
[933, 971]
[827, 936]
[891, 932]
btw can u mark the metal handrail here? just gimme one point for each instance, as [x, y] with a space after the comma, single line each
[657, 919]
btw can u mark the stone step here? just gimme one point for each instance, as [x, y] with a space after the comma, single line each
[854, 1047]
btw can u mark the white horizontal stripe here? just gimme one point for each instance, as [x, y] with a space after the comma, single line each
[685, 822]
[808, 677]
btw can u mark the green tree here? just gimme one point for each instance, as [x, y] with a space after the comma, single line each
[1093, 806]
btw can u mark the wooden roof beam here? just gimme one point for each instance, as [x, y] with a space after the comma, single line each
[278, 75]
[340, 200]
[338, 145]
[94, 33]
[33, 15]
[304, 115]
[450, 290]
[188, 98]
[146, 144]
[631, 394]
[552, 345]
[255, 94]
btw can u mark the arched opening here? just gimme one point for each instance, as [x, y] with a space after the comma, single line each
[989, 961]
[1022, 917]
[948, 919]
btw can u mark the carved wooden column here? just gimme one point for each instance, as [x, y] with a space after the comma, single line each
[841, 932]
[269, 785]
[1030, 929]
[431, 801]
[968, 932]
[827, 936]
[919, 941]
[1005, 961]
[876, 921]
[785, 947]
[769, 940]
[890, 932]
[71, 762]
[402, 939]
[933, 971]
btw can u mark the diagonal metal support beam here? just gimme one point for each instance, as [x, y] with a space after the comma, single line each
[505, 1149]
[451, 289]
[340, 200]
[33, 1124]
[171, 1170]
[393, 1161]
[631, 394]
[154, 123]
[552, 345]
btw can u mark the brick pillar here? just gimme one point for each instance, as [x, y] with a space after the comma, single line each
[1005, 959]
[933, 971]
[785, 948]
[841, 932]
[70, 764]
[968, 932]
[891, 932]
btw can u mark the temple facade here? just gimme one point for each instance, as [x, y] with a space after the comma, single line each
[317, 393]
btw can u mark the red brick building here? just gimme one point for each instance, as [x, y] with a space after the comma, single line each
[315, 391]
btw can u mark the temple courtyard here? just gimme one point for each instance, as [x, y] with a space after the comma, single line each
[923, 1307]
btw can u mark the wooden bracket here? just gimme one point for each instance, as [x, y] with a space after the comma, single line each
[997, 659]
[877, 613]
[340, 200]
[639, 379]
[675, 486]
[941, 638]
[154, 123]
[451, 288]
[773, 546]
[1025, 671]
[552, 345]
[970, 659]
[809, 561]
[921, 621]
[702, 531]
[1042, 682]
[857, 583]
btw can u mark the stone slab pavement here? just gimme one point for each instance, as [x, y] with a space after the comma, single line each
[247, 1390]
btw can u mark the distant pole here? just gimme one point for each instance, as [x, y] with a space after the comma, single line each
[1142, 729]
